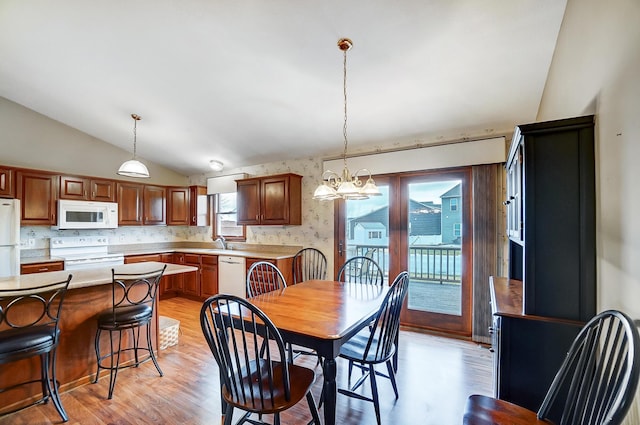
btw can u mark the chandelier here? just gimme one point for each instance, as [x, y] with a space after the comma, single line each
[133, 167]
[347, 185]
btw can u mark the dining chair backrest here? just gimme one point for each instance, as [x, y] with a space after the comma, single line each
[24, 308]
[137, 291]
[385, 328]
[599, 375]
[264, 277]
[308, 264]
[251, 372]
[361, 269]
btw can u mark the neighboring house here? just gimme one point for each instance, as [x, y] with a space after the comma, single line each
[366, 233]
[451, 220]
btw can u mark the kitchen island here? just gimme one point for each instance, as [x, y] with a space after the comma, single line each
[89, 294]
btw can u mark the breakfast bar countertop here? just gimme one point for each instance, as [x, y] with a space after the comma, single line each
[88, 277]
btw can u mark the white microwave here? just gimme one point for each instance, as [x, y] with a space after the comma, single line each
[87, 215]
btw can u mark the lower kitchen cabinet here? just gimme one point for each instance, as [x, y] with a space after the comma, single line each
[285, 265]
[192, 280]
[50, 266]
[209, 275]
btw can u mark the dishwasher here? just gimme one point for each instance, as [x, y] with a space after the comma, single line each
[232, 274]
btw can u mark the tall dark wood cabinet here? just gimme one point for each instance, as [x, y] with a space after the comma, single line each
[551, 289]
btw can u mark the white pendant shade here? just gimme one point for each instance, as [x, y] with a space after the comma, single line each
[133, 168]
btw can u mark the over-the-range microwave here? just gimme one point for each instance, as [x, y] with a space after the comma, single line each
[87, 215]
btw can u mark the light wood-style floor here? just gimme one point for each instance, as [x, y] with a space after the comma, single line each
[435, 377]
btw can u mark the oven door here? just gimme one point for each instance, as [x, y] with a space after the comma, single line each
[92, 263]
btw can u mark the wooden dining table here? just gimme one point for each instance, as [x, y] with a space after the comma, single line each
[322, 315]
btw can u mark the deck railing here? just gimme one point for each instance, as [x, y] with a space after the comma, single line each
[427, 263]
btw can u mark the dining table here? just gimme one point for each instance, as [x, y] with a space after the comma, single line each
[322, 315]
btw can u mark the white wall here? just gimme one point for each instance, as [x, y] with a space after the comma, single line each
[31, 140]
[595, 70]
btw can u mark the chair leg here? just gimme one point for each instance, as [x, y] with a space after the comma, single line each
[97, 347]
[228, 415]
[276, 419]
[44, 376]
[52, 383]
[136, 339]
[392, 377]
[150, 346]
[374, 392]
[114, 370]
[313, 409]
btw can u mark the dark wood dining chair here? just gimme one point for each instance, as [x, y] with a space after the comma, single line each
[361, 269]
[29, 327]
[595, 385]
[134, 299]
[263, 277]
[253, 379]
[377, 344]
[309, 263]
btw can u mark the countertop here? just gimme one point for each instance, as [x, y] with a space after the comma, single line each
[88, 277]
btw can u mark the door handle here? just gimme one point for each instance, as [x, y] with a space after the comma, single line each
[340, 249]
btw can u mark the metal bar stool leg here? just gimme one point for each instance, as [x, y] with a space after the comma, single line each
[150, 346]
[52, 384]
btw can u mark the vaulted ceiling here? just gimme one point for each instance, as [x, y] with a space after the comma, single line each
[254, 81]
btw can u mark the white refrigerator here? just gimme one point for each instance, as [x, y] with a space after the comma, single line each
[9, 237]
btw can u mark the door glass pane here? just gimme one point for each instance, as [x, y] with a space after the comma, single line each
[367, 229]
[435, 246]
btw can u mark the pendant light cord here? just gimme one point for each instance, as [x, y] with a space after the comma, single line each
[344, 89]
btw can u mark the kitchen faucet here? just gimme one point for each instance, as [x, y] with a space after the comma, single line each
[222, 241]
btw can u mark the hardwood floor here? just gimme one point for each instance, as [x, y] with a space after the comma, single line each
[435, 377]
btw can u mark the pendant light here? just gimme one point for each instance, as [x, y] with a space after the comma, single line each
[347, 185]
[133, 167]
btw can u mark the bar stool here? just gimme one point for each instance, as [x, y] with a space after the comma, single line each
[134, 302]
[29, 327]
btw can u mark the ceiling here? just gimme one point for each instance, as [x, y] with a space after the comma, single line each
[253, 81]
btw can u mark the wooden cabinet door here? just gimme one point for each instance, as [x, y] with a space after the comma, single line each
[178, 206]
[72, 187]
[155, 206]
[102, 190]
[141, 258]
[198, 206]
[130, 204]
[178, 279]
[166, 284]
[209, 275]
[248, 192]
[37, 193]
[192, 280]
[7, 188]
[274, 199]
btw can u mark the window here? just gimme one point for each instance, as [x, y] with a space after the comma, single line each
[453, 204]
[225, 212]
[375, 234]
[457, 229]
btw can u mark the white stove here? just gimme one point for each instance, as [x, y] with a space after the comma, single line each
[84, 252]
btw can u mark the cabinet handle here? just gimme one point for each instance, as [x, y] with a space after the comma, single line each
[193, 219]
[508, 201]
[491, 350]
[43, 269]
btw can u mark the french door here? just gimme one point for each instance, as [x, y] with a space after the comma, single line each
[422, 224]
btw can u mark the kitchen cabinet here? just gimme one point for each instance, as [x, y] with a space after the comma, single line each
[49, 266]
[178, 213]
[177, 283]
[87, 189]
[166, 284]
[192, 280]
[551, 290]
[285, 265]
[271, 200]
[198, 206]
[37, 192]
[7, 187]
[141, 204]
[209, 275]
[154, 205]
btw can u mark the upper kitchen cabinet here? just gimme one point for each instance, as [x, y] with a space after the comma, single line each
[178, 206]
[155, 205]
[140, 204]
[198, 206]
[187, 206]
[130, 203]
[271, 200]
[7, 188]
[551, 187]
[86, 189]
[37, 193]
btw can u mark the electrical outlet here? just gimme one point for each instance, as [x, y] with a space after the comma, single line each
[31, 242]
